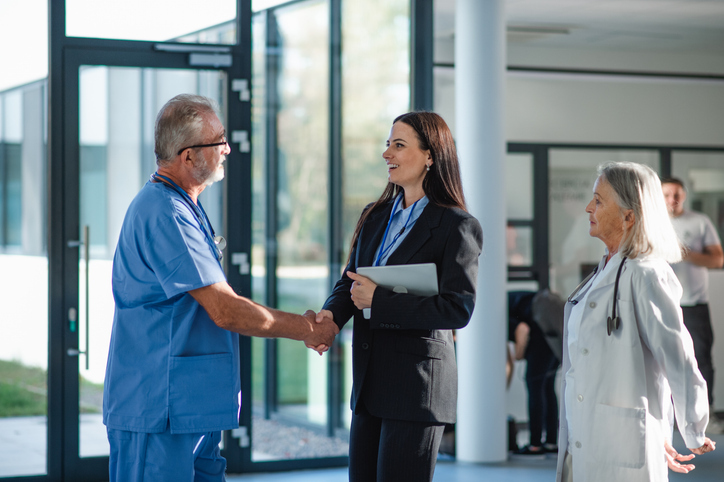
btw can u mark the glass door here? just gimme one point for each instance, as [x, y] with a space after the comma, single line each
[117, 113]
[109, 131]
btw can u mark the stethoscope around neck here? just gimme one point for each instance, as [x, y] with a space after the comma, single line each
[613, 322]
[217, 243]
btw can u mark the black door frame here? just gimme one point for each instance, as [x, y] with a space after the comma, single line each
[66, 56]
[540, 151]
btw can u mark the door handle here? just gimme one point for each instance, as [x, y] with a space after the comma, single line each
[73, 313]
[86, 242]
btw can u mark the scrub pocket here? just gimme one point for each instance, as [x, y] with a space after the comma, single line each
[620, 434]
[201, 393]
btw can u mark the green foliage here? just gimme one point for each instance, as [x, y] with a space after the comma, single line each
[23, 390]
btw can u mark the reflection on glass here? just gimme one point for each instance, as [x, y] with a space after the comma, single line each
[152, 20]
[302, 222]
[519, 245]
[375, 89]
[703, 176]
[258, 169]
[118, 107]
[519, 186]
[291, 421]
[572, 173]
[24, 284]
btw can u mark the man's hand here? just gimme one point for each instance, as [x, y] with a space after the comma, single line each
[674, 459]
[324, 329]
[322, 316]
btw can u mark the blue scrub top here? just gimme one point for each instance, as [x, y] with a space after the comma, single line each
[169, 364]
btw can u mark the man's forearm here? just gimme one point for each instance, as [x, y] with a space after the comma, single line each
[711, 258]
[242, 315]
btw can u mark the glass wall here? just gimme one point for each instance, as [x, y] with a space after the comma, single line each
[519, 209]
[375, 90]
[703, 176]
[291, 196]
[290, 224]
[24, 284]
[572, 172]
[23, 239]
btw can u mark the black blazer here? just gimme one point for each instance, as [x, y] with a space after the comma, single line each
[403, 358]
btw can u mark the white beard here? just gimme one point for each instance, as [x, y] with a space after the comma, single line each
[204, 175]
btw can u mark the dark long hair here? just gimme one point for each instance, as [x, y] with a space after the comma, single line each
[442, 183]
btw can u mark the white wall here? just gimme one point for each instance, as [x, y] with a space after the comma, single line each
[602, 109]
[614, 110]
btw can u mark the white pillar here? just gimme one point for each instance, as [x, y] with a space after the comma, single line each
[481, 430]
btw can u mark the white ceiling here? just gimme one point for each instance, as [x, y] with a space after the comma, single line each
[621, 25]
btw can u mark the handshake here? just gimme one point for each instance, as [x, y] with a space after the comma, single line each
[323, 330]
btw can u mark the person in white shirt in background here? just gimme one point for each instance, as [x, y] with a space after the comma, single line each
[703, 252]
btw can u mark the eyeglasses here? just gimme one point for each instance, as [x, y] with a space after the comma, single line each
[224, 142]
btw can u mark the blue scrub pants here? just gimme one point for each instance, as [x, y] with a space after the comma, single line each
[165, 457]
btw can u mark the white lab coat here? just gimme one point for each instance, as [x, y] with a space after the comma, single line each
[624, 382]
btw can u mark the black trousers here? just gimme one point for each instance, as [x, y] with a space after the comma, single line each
[698, 322]
[384, 450]
[542, 401]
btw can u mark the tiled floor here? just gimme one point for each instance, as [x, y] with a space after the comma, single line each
[709, 468]
[18, 455]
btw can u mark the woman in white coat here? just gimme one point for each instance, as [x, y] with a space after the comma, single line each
[625, 348]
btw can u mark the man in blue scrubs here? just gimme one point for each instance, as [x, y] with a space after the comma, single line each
[172, 381]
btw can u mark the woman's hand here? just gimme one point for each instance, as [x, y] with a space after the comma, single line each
[674, 459]
[709, 446]
[362, 290]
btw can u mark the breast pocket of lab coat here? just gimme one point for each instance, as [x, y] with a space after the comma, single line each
[619, 433]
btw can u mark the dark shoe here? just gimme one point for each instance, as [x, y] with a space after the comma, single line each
[550, 448]
[531, 450]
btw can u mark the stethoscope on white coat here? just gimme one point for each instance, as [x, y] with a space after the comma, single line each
[217, 243]
[613, 322]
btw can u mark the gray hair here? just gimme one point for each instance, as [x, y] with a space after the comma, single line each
[179, 124]
[638, 188]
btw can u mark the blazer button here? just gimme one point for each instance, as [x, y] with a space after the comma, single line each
[365, 346]
[397, 326]
[592, 304]
[382, 325]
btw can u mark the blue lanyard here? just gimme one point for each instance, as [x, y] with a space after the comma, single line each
[198, 211]
[384, 250]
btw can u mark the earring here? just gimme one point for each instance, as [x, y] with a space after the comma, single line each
[428, 167]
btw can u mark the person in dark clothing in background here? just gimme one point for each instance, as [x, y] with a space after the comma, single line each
[542, 364]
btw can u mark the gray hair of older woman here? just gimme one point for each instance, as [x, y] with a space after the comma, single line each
[180, 122]
[638, 188]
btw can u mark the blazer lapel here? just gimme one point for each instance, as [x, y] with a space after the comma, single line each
[418, 236]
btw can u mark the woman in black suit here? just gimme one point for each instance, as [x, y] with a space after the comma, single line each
[404, 371]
